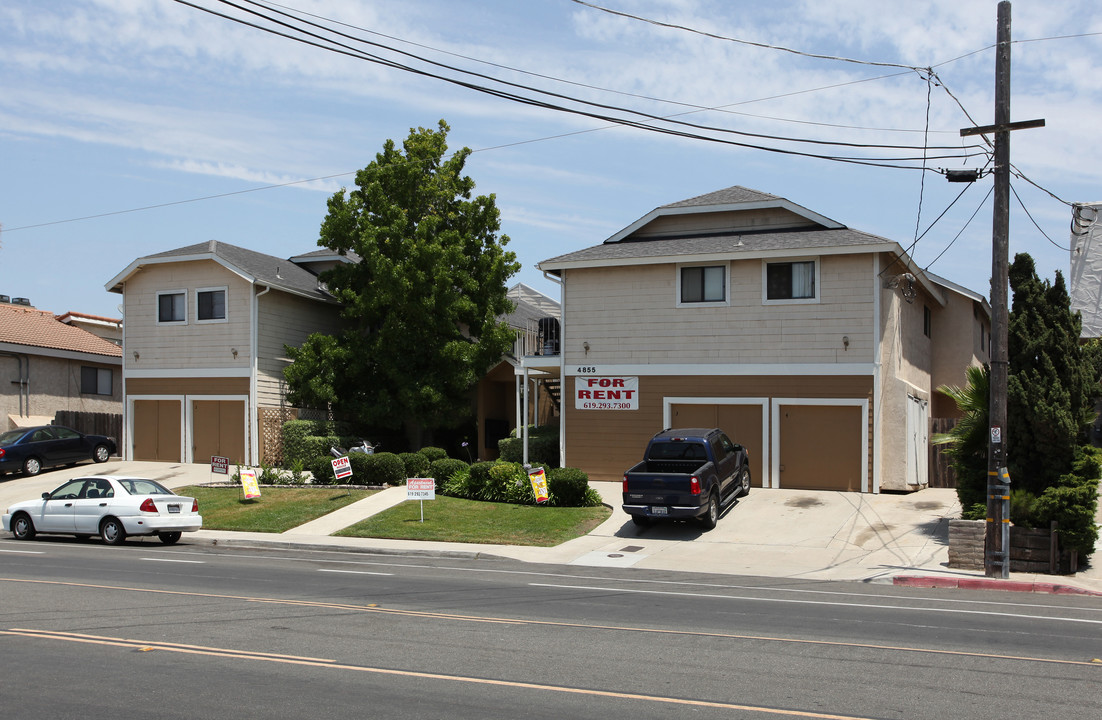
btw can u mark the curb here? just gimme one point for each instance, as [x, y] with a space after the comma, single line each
[333, 548]
[991, 584]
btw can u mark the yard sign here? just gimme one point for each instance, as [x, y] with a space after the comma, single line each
[539, 484]
[249, 483]
[421, 489]
[342, 467]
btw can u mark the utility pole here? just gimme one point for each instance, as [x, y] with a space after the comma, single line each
[997, 551]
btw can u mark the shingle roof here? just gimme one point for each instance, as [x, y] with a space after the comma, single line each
[263, 269]
[726, 196]
[39, 328]
[732, 244]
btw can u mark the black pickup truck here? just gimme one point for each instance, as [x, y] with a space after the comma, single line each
[686, 473]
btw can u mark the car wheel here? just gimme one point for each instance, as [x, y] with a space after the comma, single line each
[101, 453]
[22, 527]
[32, 466]
[641, 520]
[744, 482]
[111, 531]
[169, 538]
[712, 516]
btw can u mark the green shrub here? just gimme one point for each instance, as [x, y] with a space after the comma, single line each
[444, 468]
[295, 447]
[975, 511]
[321, 467]
[455, 485]
[543, 446]
[415, 464]
[569, 487]
[377, 469]
[432, 454]
[1072, 503]
[1023, 508]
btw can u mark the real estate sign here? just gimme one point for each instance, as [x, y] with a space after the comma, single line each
[606, 393]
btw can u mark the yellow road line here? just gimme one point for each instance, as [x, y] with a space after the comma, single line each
[331, 665]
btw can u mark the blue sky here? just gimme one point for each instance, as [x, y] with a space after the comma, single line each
[108, 106]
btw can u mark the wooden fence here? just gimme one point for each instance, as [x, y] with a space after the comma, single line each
[90, 423]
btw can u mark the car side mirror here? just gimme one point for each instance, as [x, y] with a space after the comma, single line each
[45, 496]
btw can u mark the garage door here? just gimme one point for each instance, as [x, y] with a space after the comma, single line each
[157, 430]
[218, 428]
[820, 447]
[742, 423]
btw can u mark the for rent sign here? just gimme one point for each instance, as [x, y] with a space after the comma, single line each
[606, 393]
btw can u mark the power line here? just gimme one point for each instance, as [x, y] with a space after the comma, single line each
[969, 222]
[1030, 216]
[742, 42]
[645, 124]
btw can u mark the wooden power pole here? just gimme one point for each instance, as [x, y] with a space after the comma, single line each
[998, 481]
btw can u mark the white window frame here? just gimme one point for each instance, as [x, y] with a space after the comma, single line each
[225, 301]
[726, 302]
[766, 300]
[158, 307]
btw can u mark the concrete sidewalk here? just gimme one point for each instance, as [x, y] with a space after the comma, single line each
[901, 539]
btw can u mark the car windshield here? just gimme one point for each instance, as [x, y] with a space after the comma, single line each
[139, 486]
[11, 436]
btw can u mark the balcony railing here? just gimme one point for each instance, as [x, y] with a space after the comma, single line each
[540, 337]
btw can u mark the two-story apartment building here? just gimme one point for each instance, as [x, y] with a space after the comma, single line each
[203, 346]
[817, 346]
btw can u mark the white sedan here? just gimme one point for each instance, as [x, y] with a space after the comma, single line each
[109, 506]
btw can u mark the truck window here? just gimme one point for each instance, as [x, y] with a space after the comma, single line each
[677, 451]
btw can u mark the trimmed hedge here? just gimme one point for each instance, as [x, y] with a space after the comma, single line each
[507, 482]
[432, 454]
[381, 468]
[416, 465]
[443, 469]
[543, 446]
[569, 487]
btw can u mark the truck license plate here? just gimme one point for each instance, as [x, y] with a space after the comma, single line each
[657, 510]
[174, 508]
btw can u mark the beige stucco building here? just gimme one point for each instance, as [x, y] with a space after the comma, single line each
[817, 346]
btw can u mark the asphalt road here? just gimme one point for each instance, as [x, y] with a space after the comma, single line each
[144, 630]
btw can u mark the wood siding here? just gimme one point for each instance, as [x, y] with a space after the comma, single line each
[285, 319]
[194, 344]
[630, 315]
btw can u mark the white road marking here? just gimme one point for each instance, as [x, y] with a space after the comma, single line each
[815, 602]
[191, 562]
[353, 572]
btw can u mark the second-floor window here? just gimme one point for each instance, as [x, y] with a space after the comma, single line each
[790, 280]
[703, 284]
[211, 303]
[172, 306]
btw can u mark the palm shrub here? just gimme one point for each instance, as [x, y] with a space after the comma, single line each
[967, 440]
[415, 464]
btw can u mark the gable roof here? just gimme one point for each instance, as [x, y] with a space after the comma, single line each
[254, 267]
[33, 328]
[734, 198]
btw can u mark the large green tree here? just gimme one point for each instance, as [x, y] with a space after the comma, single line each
[422, 301]
[1051, 382]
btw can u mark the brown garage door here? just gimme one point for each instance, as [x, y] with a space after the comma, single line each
[742, 423]
[157, 430]
[820, 447]
[218, 428]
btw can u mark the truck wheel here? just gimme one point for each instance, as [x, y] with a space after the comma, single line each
[712, 516]
[744, 482]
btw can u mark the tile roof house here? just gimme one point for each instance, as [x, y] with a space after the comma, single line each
[203, 347]
[817, 346]
[52, 367]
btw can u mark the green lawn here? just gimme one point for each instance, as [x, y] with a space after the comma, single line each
[449, 519]
[276, 510]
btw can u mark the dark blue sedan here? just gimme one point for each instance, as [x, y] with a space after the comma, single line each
[28, 450]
